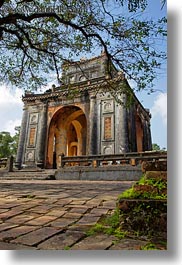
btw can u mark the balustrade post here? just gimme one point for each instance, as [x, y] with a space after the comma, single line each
[61, 160]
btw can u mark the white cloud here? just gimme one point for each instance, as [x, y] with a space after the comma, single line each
[160, 107]
[11, 107]
[11, 124]
[8, 95]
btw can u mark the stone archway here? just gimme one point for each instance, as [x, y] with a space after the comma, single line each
[67, 134]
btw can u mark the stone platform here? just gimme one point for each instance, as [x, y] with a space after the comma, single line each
[124, 172]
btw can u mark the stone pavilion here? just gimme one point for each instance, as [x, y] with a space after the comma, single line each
[83, 116]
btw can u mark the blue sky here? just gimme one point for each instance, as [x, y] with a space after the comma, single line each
[11, 104]
[157, 102]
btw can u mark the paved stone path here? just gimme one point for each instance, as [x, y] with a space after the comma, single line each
[42, 214]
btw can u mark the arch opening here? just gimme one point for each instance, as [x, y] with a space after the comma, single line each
[67, 134]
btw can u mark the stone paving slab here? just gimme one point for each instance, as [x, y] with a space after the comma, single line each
[56, 214]
[98, 242]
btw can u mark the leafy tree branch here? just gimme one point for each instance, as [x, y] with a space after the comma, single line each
[36, 37]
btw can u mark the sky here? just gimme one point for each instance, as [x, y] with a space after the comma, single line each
[11, 104]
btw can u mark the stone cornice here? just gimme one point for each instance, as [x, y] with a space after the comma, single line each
[77, 89]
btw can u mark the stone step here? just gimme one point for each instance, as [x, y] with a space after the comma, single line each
[22, 175]
[116, 173]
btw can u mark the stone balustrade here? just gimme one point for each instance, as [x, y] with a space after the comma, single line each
[134, 159]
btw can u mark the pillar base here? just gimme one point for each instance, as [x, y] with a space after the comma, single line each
[40, 164]
[18, 165]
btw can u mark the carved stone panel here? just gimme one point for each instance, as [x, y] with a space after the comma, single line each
[34, 118]
[107, 106]
[107, 148]
[107, 127]
[30, 155]
[32, 136]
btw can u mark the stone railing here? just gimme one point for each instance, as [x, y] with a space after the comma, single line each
[133, 159]
[7, 163]
[3, 162]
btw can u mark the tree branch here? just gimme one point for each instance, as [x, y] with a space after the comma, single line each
[12, 19]
[1, 3]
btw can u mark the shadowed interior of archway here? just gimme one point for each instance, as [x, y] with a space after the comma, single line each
[67, 134]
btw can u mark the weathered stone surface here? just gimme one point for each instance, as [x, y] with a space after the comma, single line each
[62, 222]
[20, 219]
[88, 220]
[124, 172]
[36, 236]
[145, 188]
[42, 220]
[98, 242]
[15, 232]
[154, 166]
[157, 175]
[128, 244]
[5, 226]
[9, 214]
[60, 230]
[10, 246]
[62, 241]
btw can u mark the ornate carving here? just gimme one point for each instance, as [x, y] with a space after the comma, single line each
[107, 128]
[33, 118]
[108, 150]
[32, 135]
[30, 155]
[108, 106]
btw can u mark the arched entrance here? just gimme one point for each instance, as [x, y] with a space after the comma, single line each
[67, 134]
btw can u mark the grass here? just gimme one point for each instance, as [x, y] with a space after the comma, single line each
[149, 246]
[109, 225]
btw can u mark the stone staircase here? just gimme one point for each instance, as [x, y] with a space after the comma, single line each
[28, 174]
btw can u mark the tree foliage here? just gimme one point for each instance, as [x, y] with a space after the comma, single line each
[156, 147]
[36, 37]
[8, 143]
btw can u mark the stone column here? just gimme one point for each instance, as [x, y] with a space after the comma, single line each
[145, 136]
[41, 137]
[21, 143]
[147, 142]
[93, 125]
[122, 144]
[149, 137]
[133, 130]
